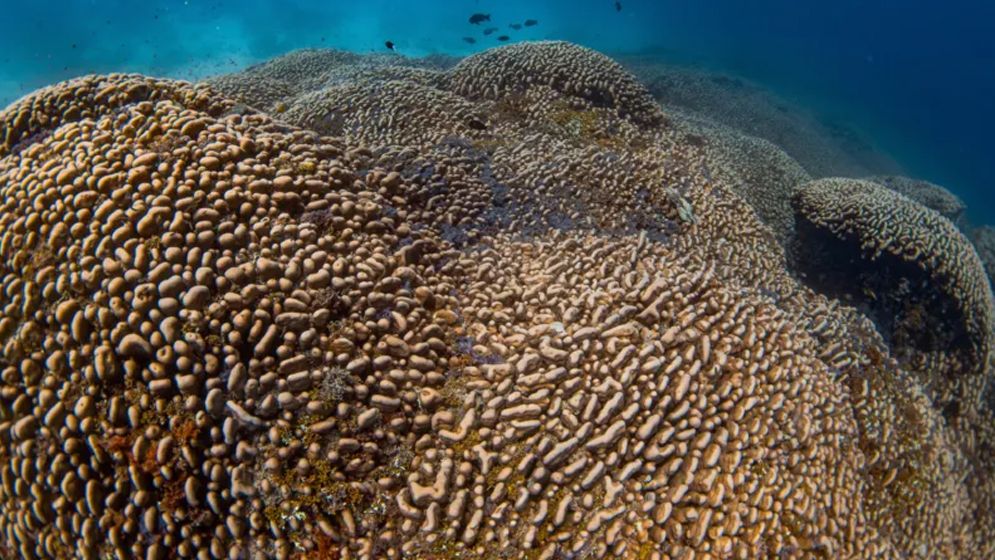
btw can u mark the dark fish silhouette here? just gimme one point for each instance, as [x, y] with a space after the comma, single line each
[618, 6]
[475, 19]
[389, 45]
[490, 30]
[470, 40]
[503, 38]
[515, 26]
[531, 22]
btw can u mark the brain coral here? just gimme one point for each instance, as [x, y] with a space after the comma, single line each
[384, 112]
[177, 290]
[926, 277]
[568, 68]
[613, 429]
[35, 116]
[984, 241]
[263, 85]
[223, 336]
[273, 85]
[928, 194]
[760, 172]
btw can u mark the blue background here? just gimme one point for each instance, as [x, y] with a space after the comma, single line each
[916, 77]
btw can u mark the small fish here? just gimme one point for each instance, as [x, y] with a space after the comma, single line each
[531, 22]
[515, 26]
[470, 40]
[475, 19]
[503, 38]
[618, 6]
[390, 45]
[490, 30]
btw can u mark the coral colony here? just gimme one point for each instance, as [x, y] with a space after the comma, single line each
[365, 306]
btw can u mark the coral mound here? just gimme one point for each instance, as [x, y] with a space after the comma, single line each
[760, 172]
[171, 304]
[930, 195]
[914, 266]
[537, 326]
[567, 68]
[271, 85]
[32, 118]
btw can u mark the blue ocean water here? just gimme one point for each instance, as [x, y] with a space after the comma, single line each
[915, 78]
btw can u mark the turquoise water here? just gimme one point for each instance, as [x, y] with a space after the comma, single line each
[914, 79]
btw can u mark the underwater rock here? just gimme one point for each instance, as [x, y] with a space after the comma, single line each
[392, 344]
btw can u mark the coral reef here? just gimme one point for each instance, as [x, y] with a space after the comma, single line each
[822, 147]
[501, 309]
[921, 275]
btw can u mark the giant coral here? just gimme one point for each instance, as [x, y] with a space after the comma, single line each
[225, 335]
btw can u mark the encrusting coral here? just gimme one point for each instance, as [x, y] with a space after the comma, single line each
[544, 324]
